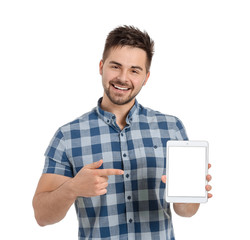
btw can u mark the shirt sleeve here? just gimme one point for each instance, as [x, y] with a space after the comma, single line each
[56, 159]
[180, 131]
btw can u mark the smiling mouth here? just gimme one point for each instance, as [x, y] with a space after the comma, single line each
[120, 88]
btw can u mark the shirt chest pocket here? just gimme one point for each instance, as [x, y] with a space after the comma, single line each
[151, 158]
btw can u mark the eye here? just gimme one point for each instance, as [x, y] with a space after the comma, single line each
[135, 71]
[114, 66]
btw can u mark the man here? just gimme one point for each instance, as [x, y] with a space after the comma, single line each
[110, 162]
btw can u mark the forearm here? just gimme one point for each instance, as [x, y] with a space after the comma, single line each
[51, 207]
[186, 209]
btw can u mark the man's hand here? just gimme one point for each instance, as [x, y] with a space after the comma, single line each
[208, 177]
[56, 193]
[189, 209]
[91, 181]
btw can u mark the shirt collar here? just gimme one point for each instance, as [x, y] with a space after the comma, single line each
[109, 117]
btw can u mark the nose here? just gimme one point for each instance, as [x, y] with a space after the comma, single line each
[122, 76]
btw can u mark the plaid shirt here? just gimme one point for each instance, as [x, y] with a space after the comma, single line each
[134, 206]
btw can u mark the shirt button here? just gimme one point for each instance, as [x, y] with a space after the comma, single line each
[130, 220]
[155, 146]
[122, 134]
[124, 155]
[129, 197]
[127, 175]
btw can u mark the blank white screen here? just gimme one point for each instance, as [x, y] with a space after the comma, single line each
[186, 171]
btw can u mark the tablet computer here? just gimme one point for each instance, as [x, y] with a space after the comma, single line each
[187, 168]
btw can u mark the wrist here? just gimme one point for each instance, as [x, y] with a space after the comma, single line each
[186, 209]
[69, 190]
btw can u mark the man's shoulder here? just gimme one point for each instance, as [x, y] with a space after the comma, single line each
[80, 122]
[151, 113]
[165, 122]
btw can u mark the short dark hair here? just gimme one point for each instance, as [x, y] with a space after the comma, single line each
[130, 36]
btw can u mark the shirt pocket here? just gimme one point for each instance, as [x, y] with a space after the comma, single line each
[152, 158]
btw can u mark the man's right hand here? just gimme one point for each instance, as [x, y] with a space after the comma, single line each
[91, 181]
[56, 193]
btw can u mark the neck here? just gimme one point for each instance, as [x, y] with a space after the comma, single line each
[120, 111]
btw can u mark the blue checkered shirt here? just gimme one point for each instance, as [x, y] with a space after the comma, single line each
[134, 206]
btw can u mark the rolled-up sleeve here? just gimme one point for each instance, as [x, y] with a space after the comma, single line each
[56, 159]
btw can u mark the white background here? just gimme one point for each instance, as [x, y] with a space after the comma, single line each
[49, 56]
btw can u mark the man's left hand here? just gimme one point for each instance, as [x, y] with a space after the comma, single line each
[208, 177]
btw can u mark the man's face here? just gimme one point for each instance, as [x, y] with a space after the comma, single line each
[123, 74]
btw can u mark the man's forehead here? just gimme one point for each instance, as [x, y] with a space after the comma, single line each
[127, 48]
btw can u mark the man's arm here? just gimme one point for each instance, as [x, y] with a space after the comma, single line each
[186, 209]
[55, 193]
[52, 199]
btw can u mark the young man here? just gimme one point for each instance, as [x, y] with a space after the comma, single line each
[110, 162]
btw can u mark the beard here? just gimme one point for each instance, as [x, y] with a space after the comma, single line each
[120, 98]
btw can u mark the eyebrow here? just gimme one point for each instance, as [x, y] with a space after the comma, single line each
[119, 64]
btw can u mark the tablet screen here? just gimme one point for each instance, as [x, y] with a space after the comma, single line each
[186, 173]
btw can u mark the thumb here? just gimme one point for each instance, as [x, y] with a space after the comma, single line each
[94, 165]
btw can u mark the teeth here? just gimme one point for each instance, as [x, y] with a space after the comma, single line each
[120, 88]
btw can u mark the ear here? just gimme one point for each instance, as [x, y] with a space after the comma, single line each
[101, 67]
[146, 78]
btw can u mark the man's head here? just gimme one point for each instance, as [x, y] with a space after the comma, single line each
[132, 37]
[125, 65]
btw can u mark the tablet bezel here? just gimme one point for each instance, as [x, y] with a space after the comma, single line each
[186, 199]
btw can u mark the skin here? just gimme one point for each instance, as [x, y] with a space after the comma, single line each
[189, 209]
[55, 193]
[125, 68]
[123, 75]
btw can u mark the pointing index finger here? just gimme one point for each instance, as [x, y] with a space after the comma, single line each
[108, 172]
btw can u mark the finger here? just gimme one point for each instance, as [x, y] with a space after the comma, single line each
[209, 165]
[209, 195]
[103, 191]
[208, 188]
[104, 178]
[164, 178]
[209, 177]
[100, 179]
[94, 165]
[109, 172]
[104, 185]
